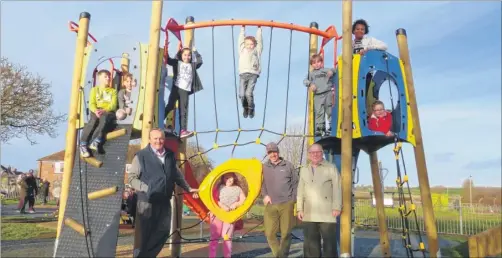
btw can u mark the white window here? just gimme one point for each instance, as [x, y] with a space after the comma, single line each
[127, 168]
[58, 167]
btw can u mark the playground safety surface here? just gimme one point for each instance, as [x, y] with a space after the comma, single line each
[366, 245]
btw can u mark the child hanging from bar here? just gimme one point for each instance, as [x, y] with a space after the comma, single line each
[186, 81]
[229, 196]
[102, 104]
[124, 97]
[250, 49]
[320, 81]
[380, 119]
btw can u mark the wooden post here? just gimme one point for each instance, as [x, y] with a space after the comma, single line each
[423, 177]
[378, 192]
[124, 63]
[151, 73]
[150, 91]
[73, 116]
[313, 48]
[346, 216]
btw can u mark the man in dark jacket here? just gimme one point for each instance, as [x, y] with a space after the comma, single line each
[280, 181]
[153, 174]
[31, 181]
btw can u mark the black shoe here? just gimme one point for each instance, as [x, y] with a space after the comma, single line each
[251, 113]
[245, 113]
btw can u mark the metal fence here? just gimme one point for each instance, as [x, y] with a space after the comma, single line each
[461, 219]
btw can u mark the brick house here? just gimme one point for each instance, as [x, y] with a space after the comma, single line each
[51, 167]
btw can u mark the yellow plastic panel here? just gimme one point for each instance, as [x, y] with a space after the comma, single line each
[250, 169]
[138, 124]
[356, 131]
[411, 135]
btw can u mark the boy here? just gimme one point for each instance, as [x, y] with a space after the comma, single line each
[380, 119]
[124, 97]
[363, 43]
[320, 82]
[102, 104]
[250, 49]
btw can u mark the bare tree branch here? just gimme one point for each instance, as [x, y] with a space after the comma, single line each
[26, 104]
[293, 148]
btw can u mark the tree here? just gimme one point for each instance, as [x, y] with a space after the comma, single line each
[293, 146]
[468, 191]
[26, 104]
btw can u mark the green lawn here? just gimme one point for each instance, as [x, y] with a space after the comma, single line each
[16, 201]
[20, 231]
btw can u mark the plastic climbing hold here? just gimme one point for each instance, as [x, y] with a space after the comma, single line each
[250, 169]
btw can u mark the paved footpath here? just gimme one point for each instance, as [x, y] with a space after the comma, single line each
[366, 245]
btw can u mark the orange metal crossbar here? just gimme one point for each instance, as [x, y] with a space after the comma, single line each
[326, 34]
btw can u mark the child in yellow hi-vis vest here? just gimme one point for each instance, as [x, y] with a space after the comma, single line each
[102, 104]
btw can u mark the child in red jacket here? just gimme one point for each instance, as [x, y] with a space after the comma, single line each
[380, 119]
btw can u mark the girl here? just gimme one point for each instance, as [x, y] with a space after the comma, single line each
[229, 196]
[124, 97]
[380, 119]
[363, 43]
[186, 81]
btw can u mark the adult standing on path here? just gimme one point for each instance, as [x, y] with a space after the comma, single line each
[45, 190]
[319, 202]
[280, 181]
[153, 174]
[31, 181]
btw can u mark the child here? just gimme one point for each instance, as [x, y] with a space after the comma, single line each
[250, 49]
[229, 196]
[186, 82]
[124, 97]
[363, 43]
[102, 104]
[320, 81]
[380, 119]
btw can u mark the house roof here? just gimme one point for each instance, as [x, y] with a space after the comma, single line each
[9, 171]
[59, 156]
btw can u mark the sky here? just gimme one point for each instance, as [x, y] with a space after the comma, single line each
[455, 50]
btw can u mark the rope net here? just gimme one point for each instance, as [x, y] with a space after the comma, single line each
[216, 112]
[280, 97]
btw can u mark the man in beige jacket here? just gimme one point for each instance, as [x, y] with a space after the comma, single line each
[319, 202]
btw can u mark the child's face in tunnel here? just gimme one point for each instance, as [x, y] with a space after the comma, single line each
[186, 56]
[379, 110]
[229, 180]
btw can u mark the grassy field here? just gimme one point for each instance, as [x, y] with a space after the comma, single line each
[11, 201]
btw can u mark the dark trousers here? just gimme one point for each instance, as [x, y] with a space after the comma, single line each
[180, 95]
[97, 126]
[313, 231]
[155, 220]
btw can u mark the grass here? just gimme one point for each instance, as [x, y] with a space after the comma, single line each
[12, 201]
[22, 231]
